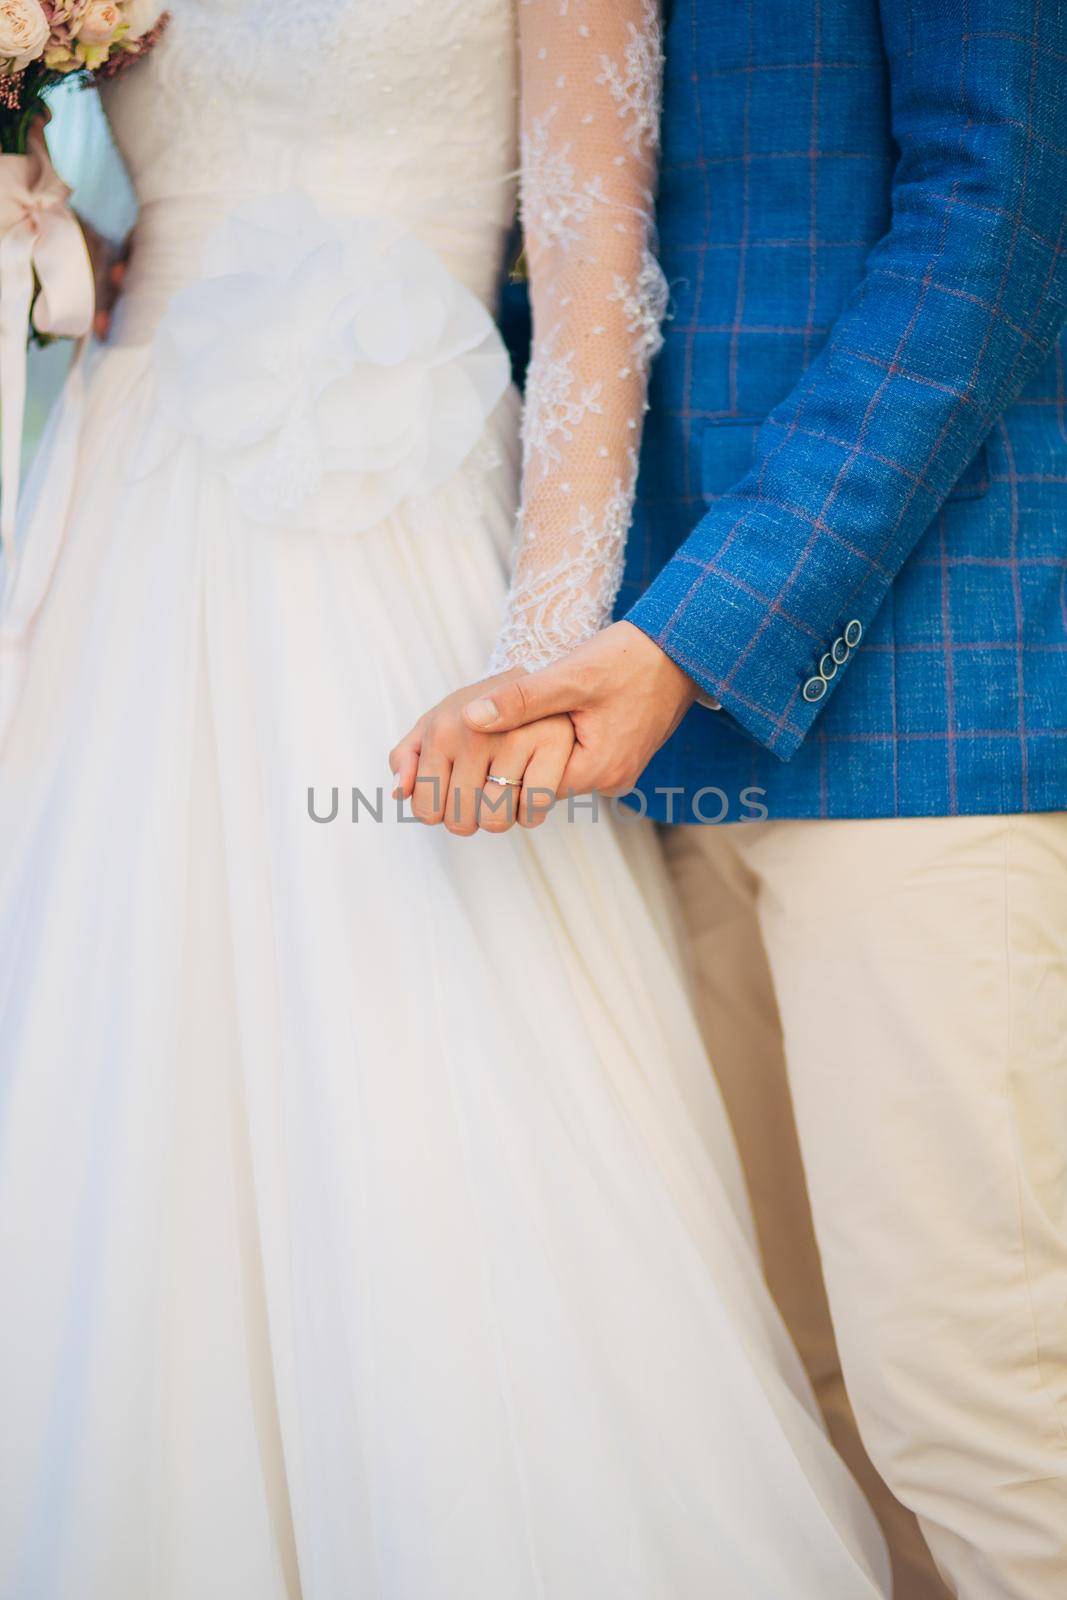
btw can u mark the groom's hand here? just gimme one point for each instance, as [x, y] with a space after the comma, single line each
[624, 695]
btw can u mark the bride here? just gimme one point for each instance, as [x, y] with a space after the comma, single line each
[369, 1224]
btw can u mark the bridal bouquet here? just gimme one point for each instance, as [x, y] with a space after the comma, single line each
[43, 41]
[46, 278]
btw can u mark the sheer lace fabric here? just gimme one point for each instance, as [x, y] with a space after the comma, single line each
[590, 87]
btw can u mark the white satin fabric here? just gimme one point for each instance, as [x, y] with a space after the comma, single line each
[369, 1222]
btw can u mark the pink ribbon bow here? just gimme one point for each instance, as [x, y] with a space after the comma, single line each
[38, 234]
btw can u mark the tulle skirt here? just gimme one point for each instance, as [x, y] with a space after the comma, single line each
[369, 1222]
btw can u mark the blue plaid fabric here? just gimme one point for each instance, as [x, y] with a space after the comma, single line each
[860, 412]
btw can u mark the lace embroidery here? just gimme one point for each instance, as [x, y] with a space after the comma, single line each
[635, 85]
[556, 607]
[552, 411]
[644, 305]
[555, 204]
[590, 73]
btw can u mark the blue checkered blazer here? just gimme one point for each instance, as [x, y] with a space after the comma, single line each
[852, 510]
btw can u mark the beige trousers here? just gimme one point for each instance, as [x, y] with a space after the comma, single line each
[909, 979]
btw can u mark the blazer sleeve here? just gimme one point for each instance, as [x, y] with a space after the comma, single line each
[961, 302]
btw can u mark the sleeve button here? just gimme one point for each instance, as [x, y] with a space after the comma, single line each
[853, 633]
[827, 667]
[839, 651]
[814, 690]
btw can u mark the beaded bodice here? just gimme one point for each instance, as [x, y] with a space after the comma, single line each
[414, 95]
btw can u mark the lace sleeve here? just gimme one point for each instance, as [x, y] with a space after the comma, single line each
[591, 72]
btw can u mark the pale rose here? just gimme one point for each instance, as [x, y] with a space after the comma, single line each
[24, 32]
[141, 15]
[99, 23]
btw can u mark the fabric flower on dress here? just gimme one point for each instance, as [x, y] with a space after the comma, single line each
[331, 369]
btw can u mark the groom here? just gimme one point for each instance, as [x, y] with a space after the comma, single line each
[852, 537]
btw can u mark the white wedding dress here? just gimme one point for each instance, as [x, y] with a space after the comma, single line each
[369, 1223]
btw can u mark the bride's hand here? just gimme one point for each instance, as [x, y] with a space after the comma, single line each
[108, 261]
[446, 769]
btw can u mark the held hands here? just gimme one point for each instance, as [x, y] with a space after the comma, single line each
[591, 721]
[454, 774]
